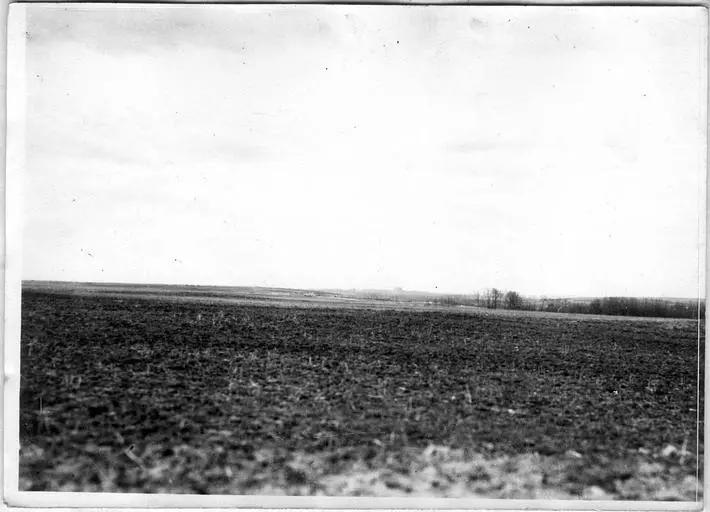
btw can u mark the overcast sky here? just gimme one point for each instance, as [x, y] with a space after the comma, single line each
[548, 150]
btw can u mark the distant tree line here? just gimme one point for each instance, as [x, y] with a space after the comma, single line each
[630, 306]
[494, 298]
[617, 306]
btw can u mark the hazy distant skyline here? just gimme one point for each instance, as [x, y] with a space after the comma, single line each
[548, 150]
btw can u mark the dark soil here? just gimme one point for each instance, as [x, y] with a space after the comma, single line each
[129, 394]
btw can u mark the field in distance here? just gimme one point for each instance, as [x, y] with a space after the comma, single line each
[142, 388]
[286, 297]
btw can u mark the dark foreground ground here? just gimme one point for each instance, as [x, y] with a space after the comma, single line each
[151, 392]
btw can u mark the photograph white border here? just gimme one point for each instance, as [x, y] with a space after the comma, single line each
[14, 13]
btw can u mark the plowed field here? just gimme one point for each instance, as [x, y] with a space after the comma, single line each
[128, 393]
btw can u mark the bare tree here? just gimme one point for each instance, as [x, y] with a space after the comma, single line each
[513, 300]
[492, 297]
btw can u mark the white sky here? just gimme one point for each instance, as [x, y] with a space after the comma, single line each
[549, 150]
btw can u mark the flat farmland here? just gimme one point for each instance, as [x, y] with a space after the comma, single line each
[148, 390]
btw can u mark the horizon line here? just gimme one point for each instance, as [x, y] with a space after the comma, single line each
[395, 289]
